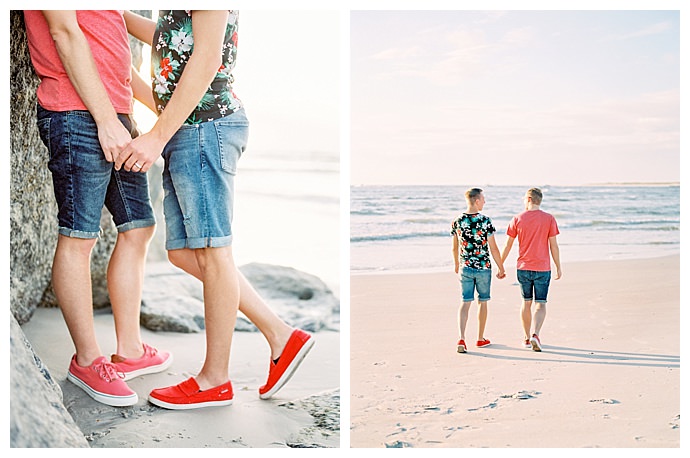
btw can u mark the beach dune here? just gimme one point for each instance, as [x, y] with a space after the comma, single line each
[608, 376]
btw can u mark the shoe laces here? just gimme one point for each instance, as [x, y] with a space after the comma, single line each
[108, 371]
[150, 350]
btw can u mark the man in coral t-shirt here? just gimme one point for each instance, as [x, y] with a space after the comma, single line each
[536, 231]
[84, 119]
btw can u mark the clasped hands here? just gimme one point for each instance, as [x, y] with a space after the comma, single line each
[131, 154]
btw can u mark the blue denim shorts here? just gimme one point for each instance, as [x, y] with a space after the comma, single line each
[83, 181]
[479, 279]
[534, 285]
[198, 181]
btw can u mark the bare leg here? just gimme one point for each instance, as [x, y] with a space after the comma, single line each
[539, 316]
[125, 283]
[463, 314]
[482, 313]
[221, 301]
[72, 283]
[526, 317]
[276, 331]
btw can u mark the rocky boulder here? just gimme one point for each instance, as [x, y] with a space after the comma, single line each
[173, 300]
[38, 417]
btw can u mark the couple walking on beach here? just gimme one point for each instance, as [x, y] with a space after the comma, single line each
[473, 241]
[97, 158]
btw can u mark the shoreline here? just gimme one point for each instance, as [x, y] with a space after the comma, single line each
[508, 265]
[608, 375]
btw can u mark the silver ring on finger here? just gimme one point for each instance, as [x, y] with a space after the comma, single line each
[136, 164]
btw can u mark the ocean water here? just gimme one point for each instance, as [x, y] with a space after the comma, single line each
[287, 211]
[407, 228]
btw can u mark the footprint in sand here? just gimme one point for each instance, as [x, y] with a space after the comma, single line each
[605, 401]
[519, 395]
[399, 444]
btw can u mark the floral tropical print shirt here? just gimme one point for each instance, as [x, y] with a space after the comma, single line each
[173, 45]
[473, 231]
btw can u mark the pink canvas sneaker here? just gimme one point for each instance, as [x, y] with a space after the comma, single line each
[295, 350]
[151, 362]
[536, 343]
[187, 395]
[102, 381]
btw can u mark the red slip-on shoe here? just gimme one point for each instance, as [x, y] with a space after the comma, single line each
[295, 350]
[462, 348]
[187, 395]
[151, 362]
[102, 382]
[483, 343]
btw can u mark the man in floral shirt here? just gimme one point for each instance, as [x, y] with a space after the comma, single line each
[473, 239]
[173, 45]
[201, 132]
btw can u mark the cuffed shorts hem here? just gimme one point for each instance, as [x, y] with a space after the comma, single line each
[475, 281]
[203, 242]
[67, 232]
[534, 285]
[137, 224]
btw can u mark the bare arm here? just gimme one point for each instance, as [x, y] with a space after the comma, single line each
[506, 248]
[75, 55]
[456, 252]
[140, 27]
[496, 254]
[142, 91]
[556, 255]
[209, 33]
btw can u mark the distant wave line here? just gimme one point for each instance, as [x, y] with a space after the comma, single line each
[333, 200]
[385, 237]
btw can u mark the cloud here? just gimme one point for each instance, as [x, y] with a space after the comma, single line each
[653, 29]
[398, 53]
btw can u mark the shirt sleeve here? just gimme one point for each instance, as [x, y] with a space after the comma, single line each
[490, 228]
[553, 230]
[453, 228]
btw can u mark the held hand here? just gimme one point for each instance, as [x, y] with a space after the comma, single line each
[140, 154]
[113, 137]
[501, 274]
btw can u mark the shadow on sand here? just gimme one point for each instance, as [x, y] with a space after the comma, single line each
[580, 356]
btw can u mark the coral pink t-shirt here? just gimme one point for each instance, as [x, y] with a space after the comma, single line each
[106, 34]
[533, 229]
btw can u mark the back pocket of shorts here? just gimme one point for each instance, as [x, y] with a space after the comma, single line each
[232, 141]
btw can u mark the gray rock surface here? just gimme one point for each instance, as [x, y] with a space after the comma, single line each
[173, 300]
[38, 417]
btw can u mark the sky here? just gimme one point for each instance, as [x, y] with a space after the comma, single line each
[288, 81]
[514, 97]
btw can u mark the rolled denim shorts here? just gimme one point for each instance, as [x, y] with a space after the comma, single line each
[534, 285]
[475, 279]
[83, 181]
[198, 181]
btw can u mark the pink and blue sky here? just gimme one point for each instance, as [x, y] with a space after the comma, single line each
[515, 97]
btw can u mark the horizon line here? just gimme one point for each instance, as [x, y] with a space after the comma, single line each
[610, 183]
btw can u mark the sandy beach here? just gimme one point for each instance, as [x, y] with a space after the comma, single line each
[608, 376]
[284, 421]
